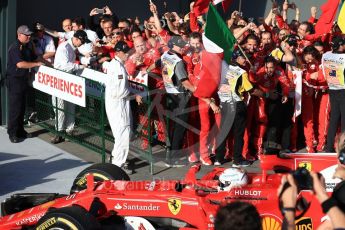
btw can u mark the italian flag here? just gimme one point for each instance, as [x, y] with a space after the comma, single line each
[219, 43]
[201, 6]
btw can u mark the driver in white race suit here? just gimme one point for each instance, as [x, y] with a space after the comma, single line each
[117, 105]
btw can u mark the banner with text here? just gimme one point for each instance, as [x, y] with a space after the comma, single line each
[60, 84]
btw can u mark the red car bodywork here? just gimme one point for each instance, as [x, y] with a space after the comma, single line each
[192, 201]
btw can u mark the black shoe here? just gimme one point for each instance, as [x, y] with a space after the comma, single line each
[14, 139]
[127, 169]
[242, 163]
[57, 139]
[25, 135]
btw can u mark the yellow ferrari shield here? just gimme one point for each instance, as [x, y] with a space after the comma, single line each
[174, 205]
[305, 164]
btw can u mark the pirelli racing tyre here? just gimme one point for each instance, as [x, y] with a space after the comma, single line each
[101, 172]
[68, 218]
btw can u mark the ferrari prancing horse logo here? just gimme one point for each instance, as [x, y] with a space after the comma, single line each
[305, 164]
[174, 205]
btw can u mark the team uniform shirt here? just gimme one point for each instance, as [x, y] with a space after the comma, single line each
[117, 86]
[193, 60]
[269, 83]
[118, 108]
[237, 80]
[173, 72]
[65, 57]
[333, 67]
[85, 49]
[309, 79]
[149, 58]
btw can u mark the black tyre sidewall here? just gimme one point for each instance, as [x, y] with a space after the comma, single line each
[110, 171]
[67, 217]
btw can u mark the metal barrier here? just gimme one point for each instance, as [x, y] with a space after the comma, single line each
[92, 129]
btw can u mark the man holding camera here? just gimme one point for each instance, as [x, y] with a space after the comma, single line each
[332, 206]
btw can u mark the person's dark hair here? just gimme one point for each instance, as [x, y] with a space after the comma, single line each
[79, 21]
[294, 25]
[312, 51]
[252, 37]
[196, 35]
[185, 28]
[319, 43]
[107, 19]
[270, 59]
[125, 20]
[239, 216]
[310, 27]
[136, 30]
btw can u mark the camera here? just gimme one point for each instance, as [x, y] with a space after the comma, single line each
[100, 11]
[303, 179]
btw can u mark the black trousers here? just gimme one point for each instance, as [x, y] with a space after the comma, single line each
[287, 113]
[17, 93]
[337, 99]
[274, 112]
[279, 123]
[233, 120]
[178, 117]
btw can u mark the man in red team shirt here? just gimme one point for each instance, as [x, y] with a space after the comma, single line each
[265, 79]
[140, 61]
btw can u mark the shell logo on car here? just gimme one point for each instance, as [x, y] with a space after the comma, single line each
[271, 222]
[174, 205]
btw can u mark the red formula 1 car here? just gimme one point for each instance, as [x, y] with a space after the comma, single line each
[102, 197]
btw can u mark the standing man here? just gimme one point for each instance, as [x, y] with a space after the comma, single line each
[117, 105]
[19, 66]
[179, 89]
[234, 84]
[65, 61]
[333, 66]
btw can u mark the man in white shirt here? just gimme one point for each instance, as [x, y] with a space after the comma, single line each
[65, 61]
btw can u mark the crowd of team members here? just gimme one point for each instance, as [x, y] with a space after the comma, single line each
[272, 52]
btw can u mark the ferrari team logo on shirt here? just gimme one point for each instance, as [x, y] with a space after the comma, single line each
[174, 205]
[305, 164]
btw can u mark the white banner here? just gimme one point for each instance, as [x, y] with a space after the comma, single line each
[60, 84]
[135, 88]
[93, 88]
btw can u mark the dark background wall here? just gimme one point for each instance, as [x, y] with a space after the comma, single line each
[51, 13]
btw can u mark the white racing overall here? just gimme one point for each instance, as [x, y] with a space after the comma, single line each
[118, 109]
